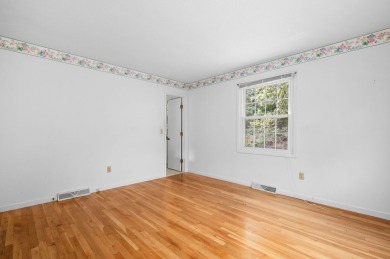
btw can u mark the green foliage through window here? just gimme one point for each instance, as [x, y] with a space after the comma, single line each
[270, 103]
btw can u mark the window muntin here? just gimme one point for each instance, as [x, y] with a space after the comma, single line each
[265, 118]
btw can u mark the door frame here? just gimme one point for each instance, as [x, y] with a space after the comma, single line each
[184, 98]
[181, 129]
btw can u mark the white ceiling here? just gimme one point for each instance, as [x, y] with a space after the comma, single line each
[189, 40]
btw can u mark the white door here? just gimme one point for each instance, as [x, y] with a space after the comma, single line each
[173, 134]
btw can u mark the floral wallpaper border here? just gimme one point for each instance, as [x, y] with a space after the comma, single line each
[361, 42]
[56, 55]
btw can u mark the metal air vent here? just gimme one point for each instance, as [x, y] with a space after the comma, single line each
[263, 187]
[73, 194]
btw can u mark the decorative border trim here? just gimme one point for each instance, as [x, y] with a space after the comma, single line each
[346, 46]
[361, 42]
[63, 57]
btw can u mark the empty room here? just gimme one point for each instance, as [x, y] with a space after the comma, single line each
[195, 129]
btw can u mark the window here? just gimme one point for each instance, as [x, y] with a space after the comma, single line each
[265, 116]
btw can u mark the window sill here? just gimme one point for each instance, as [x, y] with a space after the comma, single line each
[269, 152]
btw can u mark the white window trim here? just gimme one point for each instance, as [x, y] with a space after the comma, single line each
[291, 118]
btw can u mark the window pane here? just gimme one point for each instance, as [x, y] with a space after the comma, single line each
[267, 102]
[270, 108]
[282, 106]
[259, 133]
[248, 140]
[259, 141]
[269, 125]
[283, 90]
[272, 92]
[282, 141]
[250, 109]
[260, 94]
[250, 95]
[270, 140]
[260, 109]
[282, 125]
[249, 127]
[259, 125]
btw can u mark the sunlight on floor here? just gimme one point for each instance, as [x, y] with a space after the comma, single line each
[171, 172]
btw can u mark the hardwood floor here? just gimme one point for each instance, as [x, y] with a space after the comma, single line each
[188, 215]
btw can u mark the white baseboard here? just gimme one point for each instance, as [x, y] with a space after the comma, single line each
[25, 204]
[240, 182]
[49, 199]
[133, 181]
[336, 204]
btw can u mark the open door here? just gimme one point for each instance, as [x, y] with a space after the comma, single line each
[174, 134]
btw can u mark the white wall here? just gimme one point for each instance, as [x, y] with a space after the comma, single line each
[61, 125]
[342, 128]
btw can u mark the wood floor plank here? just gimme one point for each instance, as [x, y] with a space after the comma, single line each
[190, 216]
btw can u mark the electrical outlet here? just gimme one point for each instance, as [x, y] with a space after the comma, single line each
[301, 176]
[108, 169]
[161, 131]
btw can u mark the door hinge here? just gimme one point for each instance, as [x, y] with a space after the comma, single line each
[181, 161]
[181, 106]
[181, 134]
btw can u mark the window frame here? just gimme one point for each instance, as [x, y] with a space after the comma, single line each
[241, 102]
